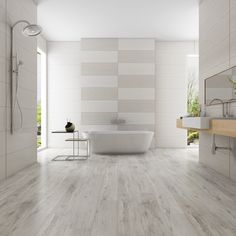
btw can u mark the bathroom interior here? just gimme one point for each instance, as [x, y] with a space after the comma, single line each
[118, 117]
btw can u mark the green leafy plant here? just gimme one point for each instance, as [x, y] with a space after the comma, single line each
[233, 82]
[193, 107]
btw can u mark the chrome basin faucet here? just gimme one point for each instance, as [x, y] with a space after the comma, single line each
[221, 101]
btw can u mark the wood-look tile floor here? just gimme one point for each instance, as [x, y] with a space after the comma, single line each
[164, 192]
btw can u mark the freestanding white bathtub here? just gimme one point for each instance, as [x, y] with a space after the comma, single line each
[120, 142]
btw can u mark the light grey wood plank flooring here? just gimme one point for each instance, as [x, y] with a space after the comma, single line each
[164, 192]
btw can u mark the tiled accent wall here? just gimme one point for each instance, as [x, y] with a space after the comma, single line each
[19, 150]
[217, 53]
[118, 81]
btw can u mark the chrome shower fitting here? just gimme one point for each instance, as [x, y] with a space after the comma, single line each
[28, 30]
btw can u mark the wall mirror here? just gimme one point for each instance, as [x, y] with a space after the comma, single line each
[221, 86]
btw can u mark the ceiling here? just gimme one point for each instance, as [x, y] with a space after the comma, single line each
[71, 20]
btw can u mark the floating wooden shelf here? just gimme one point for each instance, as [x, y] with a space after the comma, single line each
[224, 127]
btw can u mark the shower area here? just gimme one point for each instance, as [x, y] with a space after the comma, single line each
[18, 85]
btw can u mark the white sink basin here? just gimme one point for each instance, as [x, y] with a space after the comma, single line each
[196, 122]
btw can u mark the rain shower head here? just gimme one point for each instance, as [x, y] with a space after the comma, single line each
[32, 30]
[29, 30]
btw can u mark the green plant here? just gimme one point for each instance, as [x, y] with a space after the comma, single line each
[192, 135]
[193, 107]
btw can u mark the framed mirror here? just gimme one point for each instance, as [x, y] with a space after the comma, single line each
[221, 86]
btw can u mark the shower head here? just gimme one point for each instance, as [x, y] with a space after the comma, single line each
[32, 30]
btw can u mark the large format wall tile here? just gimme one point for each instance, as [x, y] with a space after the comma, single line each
[118, 80]
[217, 53]
[99, 106]
[99, 93]
[97, 118]
[136, 81]
[136, 94]
[26, 48]
[136, 69]
[136, 44]
[99, 69]
[136, 106]
[99, 56]
[137, 56]
[98, 81]
[99, 44]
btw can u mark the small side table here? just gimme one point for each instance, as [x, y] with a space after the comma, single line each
[66, 157]
[86, 140]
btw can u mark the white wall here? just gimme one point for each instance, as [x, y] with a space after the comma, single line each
[65, 82]
[171, 91]
[217, 53]
[64, 93]
[19, 150]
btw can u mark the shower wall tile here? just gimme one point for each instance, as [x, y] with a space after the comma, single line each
[20, 159]
[23, 141]
[2, 94]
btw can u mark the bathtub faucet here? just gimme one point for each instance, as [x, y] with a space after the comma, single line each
[117, 121]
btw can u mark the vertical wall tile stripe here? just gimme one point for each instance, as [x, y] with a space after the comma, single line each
[130, 63]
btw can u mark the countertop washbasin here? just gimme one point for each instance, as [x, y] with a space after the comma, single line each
[196, 122]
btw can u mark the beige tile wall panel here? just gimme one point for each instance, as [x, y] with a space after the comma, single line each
[136, 93]
[99, 106]
[136, 44]
[99, 81]
[99, 56]
[99, 93]
[18, 160]
[232, 33]
[97, 118]
[214, 37]
[99, 69]
[136, 56]
[96, 44]
[138, 118]
[219, 161]
[137, 127]
[98, 127]
[136, 69]
[2, 167]
[136, 106]
[136, 81]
